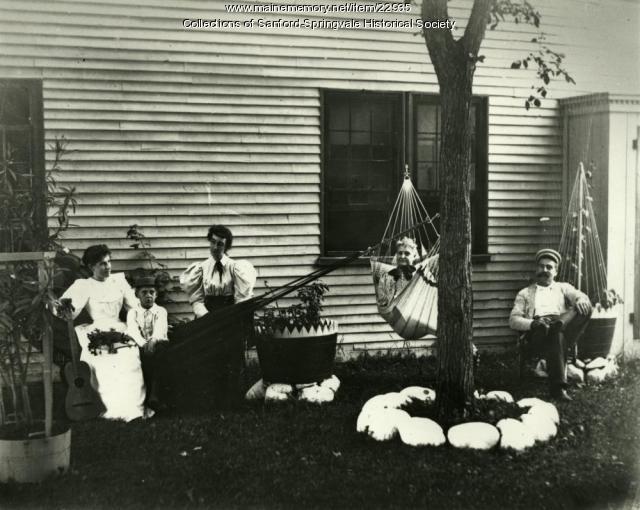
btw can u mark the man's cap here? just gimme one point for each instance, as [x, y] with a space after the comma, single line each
[145, 281]
[549, 254]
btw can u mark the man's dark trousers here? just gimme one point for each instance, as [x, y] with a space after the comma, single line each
[553, 341]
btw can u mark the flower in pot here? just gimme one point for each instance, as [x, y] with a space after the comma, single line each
[295, 344]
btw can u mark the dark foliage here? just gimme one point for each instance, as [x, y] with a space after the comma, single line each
[305, 314]
[99, 339]
[152, 267]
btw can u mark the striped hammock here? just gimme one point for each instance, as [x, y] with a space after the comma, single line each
[407, 297]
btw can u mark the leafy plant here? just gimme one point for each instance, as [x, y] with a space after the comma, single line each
[26, 287]
[61, 199]
[153, 267]
[306, 314]
[25, 297]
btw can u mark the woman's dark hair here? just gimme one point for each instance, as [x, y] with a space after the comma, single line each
[221, 231]
[94, 254]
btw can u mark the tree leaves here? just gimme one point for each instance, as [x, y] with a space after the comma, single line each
[549, 62]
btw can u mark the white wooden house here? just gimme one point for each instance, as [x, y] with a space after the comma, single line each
[296, 137]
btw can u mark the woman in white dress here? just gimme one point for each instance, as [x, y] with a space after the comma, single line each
[117, 377]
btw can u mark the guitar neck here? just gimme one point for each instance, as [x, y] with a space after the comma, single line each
[73, 342]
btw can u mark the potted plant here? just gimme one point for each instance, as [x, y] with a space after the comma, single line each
[295, 344]
[598, 335]
[32, 444]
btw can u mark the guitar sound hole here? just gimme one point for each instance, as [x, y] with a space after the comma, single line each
[79, 382]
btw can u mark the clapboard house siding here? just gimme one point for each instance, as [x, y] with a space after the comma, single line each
[173, 129]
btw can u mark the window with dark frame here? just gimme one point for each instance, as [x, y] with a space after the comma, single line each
[367, 139]
[21, 149]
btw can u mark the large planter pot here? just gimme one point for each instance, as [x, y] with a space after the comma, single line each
[298, 356]
[33, 460]
[598, 335]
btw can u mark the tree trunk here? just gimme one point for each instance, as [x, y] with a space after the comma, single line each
[455, 298]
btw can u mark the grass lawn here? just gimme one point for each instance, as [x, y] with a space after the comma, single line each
[304, 456]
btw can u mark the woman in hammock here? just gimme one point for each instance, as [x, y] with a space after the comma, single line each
[117, 377]
[215, 283]
[406, 260]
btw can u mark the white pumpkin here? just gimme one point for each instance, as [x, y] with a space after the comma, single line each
[599, 362]
[514, 435]
[574, 373]
[383, 423]
[530, 402]
[476, 435]
[541, 427]
[396, 400]
[377, 402]
[272, 395]
[391, 400]
[281, 388]
[316, 394]
[333, 383]
[421, 432]
[362, 424]
[257, 391]
[597, 375]
[503, 396]
[420, 394]
[546, 410]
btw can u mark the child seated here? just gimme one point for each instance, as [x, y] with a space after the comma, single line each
[147, 325]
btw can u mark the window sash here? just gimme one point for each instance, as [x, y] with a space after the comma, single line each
[412, 131]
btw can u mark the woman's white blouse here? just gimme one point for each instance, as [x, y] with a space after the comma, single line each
[103, 300]
[201, 279]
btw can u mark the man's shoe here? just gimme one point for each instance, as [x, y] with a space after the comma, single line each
[561, 395]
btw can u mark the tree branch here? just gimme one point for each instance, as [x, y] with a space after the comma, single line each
[440, 42]
[476, 26]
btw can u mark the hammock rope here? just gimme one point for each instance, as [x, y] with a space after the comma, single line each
[410, 306]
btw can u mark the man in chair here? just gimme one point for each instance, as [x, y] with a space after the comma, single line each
[552, 315]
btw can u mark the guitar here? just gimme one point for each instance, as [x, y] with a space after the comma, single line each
[82, 402]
